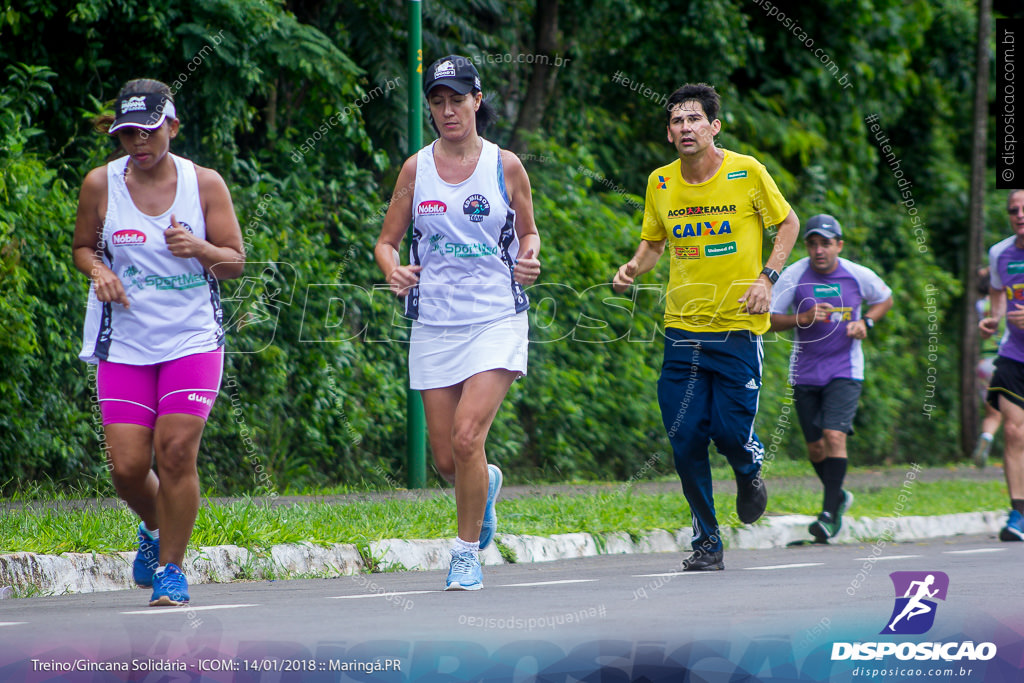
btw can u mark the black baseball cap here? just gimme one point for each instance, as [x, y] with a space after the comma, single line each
[455, 71]
[824, 225]
[142, 110]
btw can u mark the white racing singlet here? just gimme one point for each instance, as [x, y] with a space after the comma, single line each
[464, 237]
[175, 303]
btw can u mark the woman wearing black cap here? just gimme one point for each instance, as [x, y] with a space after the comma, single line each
[154, 233]
[474, 249]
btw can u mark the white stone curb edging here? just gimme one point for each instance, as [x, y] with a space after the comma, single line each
[87, 572]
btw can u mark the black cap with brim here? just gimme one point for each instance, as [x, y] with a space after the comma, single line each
[142, 110]
[454, 71]
[824, 225]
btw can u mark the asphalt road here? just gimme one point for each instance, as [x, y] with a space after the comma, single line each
[773, 615]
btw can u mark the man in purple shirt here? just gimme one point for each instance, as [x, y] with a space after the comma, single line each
[821, 296]
[1006, 390]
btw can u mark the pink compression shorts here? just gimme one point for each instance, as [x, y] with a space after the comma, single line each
[139, 394]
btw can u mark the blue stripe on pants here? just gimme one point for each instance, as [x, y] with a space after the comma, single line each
[705, 393]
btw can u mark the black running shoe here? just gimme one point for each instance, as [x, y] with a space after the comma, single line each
[751, 499]
[704, 561]
[825, 527]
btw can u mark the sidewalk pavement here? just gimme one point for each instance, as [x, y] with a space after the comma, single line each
[87, 572]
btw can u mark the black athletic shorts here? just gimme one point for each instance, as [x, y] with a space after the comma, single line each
[832, 406]
[1008, 381]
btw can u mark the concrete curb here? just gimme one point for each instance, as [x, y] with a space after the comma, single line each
[88, 573]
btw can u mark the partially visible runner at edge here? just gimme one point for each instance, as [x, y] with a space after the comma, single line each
[1006, 388]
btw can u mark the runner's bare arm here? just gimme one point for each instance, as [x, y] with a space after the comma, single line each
[396, 222]
[759, 295]
[645, 258]
[85, 246]
[221, 253]
[517, 182]
[996, 310]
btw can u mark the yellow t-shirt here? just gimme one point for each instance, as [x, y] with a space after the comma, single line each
[714, 232]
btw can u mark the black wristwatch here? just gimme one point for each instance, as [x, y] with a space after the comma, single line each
[772, 274]
[868, 322]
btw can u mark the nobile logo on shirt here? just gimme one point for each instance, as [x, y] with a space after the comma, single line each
[916, 593]
[431, 207]
[128, 238]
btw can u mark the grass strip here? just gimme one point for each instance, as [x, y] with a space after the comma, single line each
[254, 524]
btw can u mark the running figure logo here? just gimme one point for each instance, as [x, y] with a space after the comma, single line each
[914, 611]
[476, 207]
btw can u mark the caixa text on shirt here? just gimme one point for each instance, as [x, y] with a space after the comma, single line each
[701, 229]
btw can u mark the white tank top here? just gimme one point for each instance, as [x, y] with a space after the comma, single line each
[464, 236]
[175, 304]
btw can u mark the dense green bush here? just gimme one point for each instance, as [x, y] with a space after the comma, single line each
[314, 389]
[46, 421]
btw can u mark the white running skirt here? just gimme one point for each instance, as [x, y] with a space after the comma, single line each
[445, 355]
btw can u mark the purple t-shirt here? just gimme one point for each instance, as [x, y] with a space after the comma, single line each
[1006, 265]
[822, 351]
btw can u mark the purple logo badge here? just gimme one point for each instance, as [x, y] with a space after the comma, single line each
[916, 592]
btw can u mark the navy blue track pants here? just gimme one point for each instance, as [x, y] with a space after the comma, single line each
[708, 391]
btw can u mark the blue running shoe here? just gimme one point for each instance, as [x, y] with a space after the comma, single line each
[147, 559]
[1014, 529]
[465, 573]
[170, 588]
[490, 522]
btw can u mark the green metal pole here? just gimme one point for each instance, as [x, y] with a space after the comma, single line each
[415, 422]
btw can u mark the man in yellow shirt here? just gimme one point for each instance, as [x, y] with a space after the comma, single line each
[711, 208]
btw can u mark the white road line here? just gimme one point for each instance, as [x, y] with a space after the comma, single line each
[976, 550]
[184, 608]
[789, 566]
[376, 595]
[545, 583]
[886, 557]
[680, 573]
[12, 623]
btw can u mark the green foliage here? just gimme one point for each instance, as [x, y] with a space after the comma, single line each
[795, 95]
[588, 407]
[295, 355]
[42, 382]
[301, 107]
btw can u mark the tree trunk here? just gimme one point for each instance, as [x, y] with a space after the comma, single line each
[542, 78]
[270, 111]
[969, 349]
